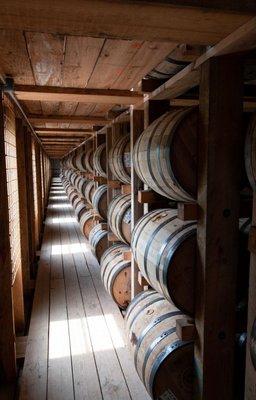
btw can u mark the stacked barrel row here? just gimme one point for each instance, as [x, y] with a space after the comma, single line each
[164, 247]
[89, 200]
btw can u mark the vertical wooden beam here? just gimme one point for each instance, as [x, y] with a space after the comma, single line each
[137, 126]
[39, 189]
[7, 336]
[109, 144]
[220, 144]
[23, 203]
[250, 378]
[30, 201]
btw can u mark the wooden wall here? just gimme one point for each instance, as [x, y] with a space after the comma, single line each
[25, 180]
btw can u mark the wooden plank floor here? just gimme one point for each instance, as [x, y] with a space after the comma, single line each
[76, 346]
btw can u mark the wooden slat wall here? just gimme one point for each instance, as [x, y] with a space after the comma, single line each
[12, 189]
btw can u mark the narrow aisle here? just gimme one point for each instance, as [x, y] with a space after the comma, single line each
[76, 347]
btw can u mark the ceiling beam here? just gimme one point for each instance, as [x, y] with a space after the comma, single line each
[60, 140]
[174, 20]
[76, 95]
[63, 131]
[74, 119]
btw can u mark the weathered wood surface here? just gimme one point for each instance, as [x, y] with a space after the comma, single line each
[75, 346]
[220, 143]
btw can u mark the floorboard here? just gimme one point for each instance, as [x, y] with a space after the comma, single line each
[76, 343]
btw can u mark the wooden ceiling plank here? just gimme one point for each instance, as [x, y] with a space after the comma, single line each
[153, 21]
[58, 94]
[79, 61]
[114, 58]
[147, 57]
[46, 53]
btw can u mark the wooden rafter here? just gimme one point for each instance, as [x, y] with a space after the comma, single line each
[54, 93]
[62, 131]
[148, 20]
[75, 119]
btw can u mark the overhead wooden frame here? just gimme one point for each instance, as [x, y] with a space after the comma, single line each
[148, 20]
[74, 119]
[76, 95]
[63, 132]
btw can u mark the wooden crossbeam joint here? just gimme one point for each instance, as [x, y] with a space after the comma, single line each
[126, 189]
[114, 184]
[185, 329]
[187, 211]
[100, 179]
[148, 196]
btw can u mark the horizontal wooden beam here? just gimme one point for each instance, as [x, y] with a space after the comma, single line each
[63, 131]
[76, 95]
[242, 39]
[248, 105]
[60, 139]
[74, 119]
[173, 21]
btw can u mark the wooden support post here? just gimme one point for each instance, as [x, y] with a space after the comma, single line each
[23, 203]
[39, 190]
[7, 336]
[250, 377]
[30, 200]
[220, 144]
[137, 125]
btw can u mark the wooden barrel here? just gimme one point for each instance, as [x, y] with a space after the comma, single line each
[165, 154]
[116, 274]
[88, 191]
[120, 159]
[73, 161]
[99, 201]
[80, 184]
[73, 197]
[98, 239]
[76, 180]
[80, 161]
[250, 152]
[165, 249]
[119, 217]
[163, 362]
[88, 160]
[76, 201]
[80, 207]
[99, 160]
[87, 222]
[73, 178]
